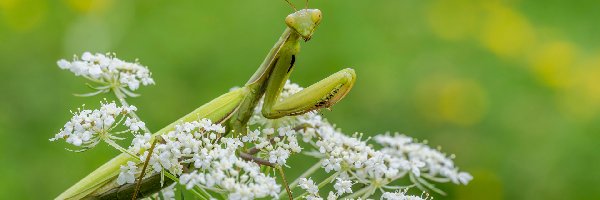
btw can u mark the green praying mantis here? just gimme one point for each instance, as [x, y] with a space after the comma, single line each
[234, 109]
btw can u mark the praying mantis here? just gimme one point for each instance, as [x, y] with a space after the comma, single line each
[234, 109]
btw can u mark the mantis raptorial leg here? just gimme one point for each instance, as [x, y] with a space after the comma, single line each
[235, 108]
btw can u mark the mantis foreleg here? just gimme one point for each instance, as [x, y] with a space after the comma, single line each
[322, 94]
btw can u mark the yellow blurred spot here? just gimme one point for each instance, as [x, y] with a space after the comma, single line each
[454, 19]
[581, 101]
[22, 15]
[86, 6]
[552, 63]
[505, 32]
[589, 80]
[456, 101]
[485, 185]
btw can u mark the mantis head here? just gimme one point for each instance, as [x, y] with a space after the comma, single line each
[304, 22]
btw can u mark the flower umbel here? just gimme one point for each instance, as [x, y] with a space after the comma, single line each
[212, 160]
[207, 158]
[88, 127]
[127, 174]
[109, 71]
[352, 161]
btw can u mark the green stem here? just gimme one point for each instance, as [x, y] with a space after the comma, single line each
[369, 193]
[121, 149]
[328, 180]
[205, 192]
[287, 187]
[139, 184]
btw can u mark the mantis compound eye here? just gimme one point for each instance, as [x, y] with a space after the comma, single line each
[304, 22]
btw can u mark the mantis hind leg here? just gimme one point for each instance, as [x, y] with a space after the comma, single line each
[322, 94]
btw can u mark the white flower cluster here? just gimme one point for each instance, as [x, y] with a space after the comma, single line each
[355, 160]
[276, 146]
[127, 174]
[401, 195]
[308, 185]
[212, 160]
[426, 159]
[88, 127]
[240, 179]
[189, 142]
[140, 143]
[108, 70]
[346, 154]
[342, 186]
[364, 164]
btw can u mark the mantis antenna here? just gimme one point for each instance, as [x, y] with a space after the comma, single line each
[294, 7]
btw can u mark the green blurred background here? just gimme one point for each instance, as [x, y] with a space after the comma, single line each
[511, 87]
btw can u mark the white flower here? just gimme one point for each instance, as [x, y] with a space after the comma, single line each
[88, 127]
[130, 80]
[63, 64]
[134, 125]
[332, 196]
[415, 166]
[343, 186]
[418, 158]
[140, 142]
[251, 136]
[279, 156]
[127, 174]
[331, 164]
[107, 69]
[308, 185]
[464, 178]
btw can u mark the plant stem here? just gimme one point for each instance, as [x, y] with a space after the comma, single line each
[260, 161]
[139, 183]
[287, 187]
[208, 196]
[121, 149]
[328, 180]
